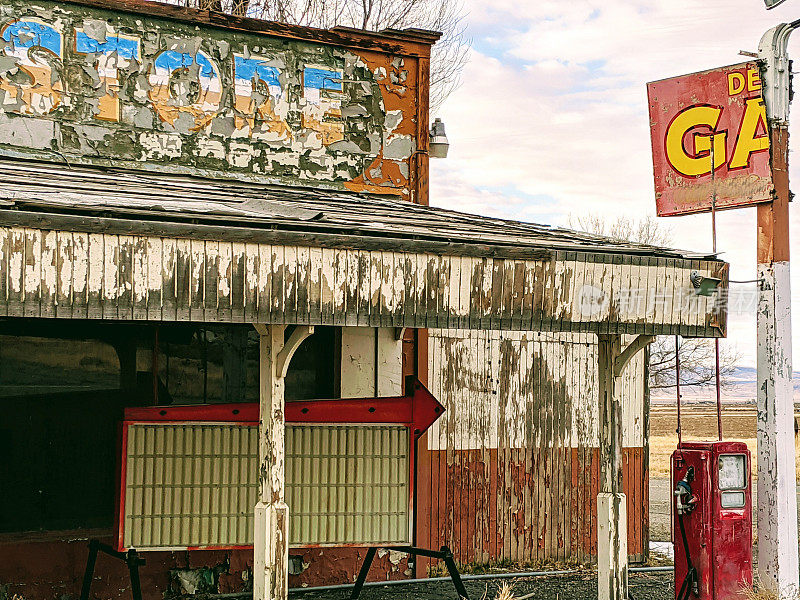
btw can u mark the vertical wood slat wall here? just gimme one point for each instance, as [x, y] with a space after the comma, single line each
[513, 464]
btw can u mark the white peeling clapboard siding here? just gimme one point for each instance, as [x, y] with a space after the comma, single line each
[77, 275]
[496, 386]
[194, 485]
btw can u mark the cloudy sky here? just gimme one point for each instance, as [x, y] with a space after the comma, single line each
[551, 118]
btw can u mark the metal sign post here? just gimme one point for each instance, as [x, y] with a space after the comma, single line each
[777, 501]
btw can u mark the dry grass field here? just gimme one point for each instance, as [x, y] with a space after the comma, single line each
[699, 422]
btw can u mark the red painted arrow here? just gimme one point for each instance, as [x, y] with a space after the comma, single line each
[419, 410]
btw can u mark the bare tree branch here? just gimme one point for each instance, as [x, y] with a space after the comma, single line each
[449, 54]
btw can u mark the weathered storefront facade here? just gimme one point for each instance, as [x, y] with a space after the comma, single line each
[203, 210]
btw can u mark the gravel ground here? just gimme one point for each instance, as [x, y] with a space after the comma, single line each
[582, 586]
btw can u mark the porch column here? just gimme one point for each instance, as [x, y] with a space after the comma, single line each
[612, 514]
[271, 540]
[612, 530]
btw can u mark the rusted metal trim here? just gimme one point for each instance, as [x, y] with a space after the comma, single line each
[413, 43]
[420, 158]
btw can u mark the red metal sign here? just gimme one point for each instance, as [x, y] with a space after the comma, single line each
[717, 114]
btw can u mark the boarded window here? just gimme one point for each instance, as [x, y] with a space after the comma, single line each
[190, 485]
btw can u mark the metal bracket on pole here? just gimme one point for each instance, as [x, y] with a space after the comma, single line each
[772, 51]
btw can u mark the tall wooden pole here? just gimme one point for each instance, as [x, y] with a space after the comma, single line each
[777, 500]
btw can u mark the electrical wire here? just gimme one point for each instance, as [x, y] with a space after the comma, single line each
[678, 386]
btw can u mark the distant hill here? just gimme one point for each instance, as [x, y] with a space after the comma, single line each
[741, 387]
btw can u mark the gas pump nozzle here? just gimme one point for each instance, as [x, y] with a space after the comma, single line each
[684, 490]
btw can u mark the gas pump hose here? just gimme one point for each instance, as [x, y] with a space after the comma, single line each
[690, 583]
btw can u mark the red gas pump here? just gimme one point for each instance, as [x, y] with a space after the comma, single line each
[712, 520]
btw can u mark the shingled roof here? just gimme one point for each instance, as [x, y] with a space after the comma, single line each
[44, 195]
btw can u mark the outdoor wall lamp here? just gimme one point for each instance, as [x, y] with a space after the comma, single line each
[437, 142]
[773, 3]
[704, 286]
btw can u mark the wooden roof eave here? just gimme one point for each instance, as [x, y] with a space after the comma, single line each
[124, 269]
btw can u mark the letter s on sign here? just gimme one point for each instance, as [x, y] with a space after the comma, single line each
[36, 48]
[697, 163]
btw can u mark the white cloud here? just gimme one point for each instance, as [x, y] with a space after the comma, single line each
[552, 116]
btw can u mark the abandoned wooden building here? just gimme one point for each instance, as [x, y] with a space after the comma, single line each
[213, 227]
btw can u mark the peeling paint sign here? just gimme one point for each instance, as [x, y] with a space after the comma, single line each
[111, 88]
[714, 115]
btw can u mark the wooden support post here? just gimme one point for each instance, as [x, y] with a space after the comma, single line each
[612, 550]
[612, 519]
[777, 500]
[271, 540]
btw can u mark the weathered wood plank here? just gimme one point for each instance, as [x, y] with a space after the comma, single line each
[80, 275]
[125, 277]
[5, 262]
[169, 280]
[326, 285]
[211, 264]
[197, 280]
[140, 278]
[431, 290]
[290, 266]
[398, 289]
[154, 277]
[442, 292]
[109, 296]
[183, 279]
[303, 283]
[225, 281]
[264, 283]
[63, 278]
[369, 284]
[49, 273]
[420, 290]
[407, 286]
[355, 273]
[33, 273]
[389, 291]
[95, 267]
[238, 281]
[497, 293]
